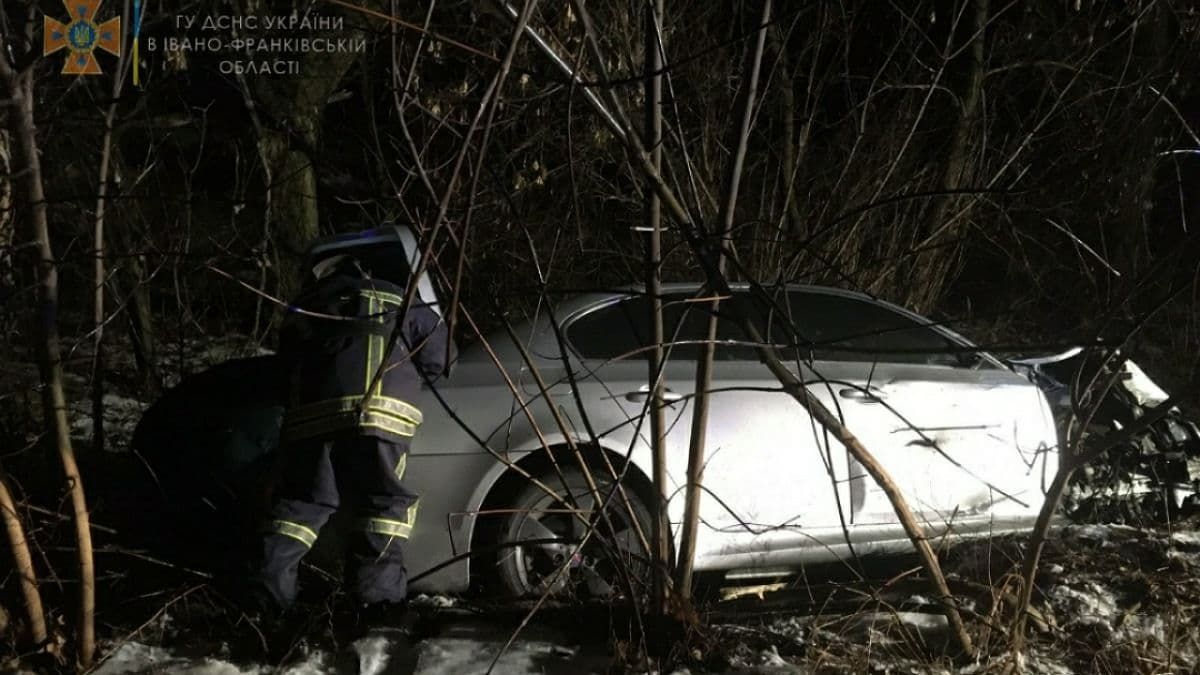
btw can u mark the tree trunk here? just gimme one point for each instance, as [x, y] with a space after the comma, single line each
[720, 251]
[290, 111]
[98, 275]
[7, 222]
[787, 114]
[937, 262]
[295, 216]
[23, 564]
[133, 283]
[661, 539]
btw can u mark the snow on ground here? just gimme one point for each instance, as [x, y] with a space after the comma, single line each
[1104, 533]
[435, 601]
[122, 412]
[1040, 661]
[194, 355]
[121, 415]
[375, 655]
[134, 658]
[463, 650]
[1186, 540]
[463, 655]
[1086, 603]
[1098, 616]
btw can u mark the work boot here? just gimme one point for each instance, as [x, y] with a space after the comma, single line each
[387, 616]
[267, 631]
[391, 618]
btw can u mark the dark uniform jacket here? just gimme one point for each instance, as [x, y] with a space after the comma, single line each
[333, 361]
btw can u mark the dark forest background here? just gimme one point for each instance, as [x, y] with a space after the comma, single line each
[1037, 186]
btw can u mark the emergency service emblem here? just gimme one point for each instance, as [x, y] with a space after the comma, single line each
[81, 35]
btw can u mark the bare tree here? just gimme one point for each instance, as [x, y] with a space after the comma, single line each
[938, 253]
[19, 84]
[289, 111]
[22, 563]
[718, 253]
[99, 272]
[661, 536]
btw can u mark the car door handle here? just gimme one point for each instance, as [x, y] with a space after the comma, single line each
[868, 395]
[641, 395]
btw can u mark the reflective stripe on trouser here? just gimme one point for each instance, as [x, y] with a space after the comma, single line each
[390, 526]
[301, 533]
[358, 473]
[341, 414]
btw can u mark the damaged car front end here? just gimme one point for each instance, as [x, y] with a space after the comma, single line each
[1098, 393]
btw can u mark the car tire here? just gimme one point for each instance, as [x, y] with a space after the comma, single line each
[610, 563]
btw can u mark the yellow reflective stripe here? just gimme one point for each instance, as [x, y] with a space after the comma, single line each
[373, 411]
[401, 466]
[384, 404]
[349, 420]
[383, 296]
[380, 349]
[304, 535]
[391, 527]
[371, 366]
[395, 406]
[390, 424]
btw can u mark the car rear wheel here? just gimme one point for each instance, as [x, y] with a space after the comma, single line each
[543, 547]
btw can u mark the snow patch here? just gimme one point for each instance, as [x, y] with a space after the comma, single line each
[133, 658]
[467, 657]
[121, 415]
[1091, 532]
[1038, 661]
[195, 355]
[435, 601]
[373, 655]
[1186, 539]
[1087, 604]
[771, 657]
[1139, 627]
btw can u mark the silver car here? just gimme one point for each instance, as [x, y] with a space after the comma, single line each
[971, 443]
[507, 500]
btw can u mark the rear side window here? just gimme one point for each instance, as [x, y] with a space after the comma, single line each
[833, 327]
[623, 327]
[839, 328]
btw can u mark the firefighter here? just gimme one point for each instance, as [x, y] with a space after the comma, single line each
[346, 433]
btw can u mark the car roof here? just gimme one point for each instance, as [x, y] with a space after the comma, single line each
[571, 307]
